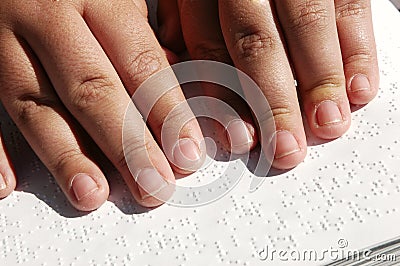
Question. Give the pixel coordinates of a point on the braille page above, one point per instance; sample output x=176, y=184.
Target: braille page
x=344, y=197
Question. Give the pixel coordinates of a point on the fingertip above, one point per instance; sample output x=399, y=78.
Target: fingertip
x=188, y=155
x=330, y=119
x=152, y=201
x=88, y=192
x=290, y=150
x=184, y=147
x=241, y=136
x=361, y=90
x=7, y=182
x=152, y=188
x=289, y=161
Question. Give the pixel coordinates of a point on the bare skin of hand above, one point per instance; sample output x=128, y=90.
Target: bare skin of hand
x=327, y=45
x=68, y=69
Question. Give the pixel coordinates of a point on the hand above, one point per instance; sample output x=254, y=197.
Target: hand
x=68, y=69
x=330, y=45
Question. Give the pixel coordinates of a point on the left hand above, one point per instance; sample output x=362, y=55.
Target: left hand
x=330, y=45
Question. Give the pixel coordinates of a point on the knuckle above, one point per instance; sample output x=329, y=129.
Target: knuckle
x=351, y=8
x=281, y=111
x=250, y=44
x=309, y=16
x=360, y=55
x=278, y=113
x=121, y=162
x=142, y=66
x=133, y=149
x=331, y=82
x=29, y=106
x=175, y=117
x=65, y=159
x=212, y=52
x=283, y=114
x=91, y=91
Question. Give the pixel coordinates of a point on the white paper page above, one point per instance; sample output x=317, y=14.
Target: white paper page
x=345, y=196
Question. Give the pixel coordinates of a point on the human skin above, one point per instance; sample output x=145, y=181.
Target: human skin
x=329, y=44
x=69, y=67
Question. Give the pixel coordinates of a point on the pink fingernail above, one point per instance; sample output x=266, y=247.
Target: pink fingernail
x=286, y=144
x=3, y=183
x=328, y=113
x=360, y=82
x=150, y=182
x=83, y=186
x=186, y=153
x=239, y=136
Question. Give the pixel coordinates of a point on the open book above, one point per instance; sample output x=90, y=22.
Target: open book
x=343, y=201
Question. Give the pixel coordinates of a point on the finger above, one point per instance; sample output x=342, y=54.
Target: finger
x=90, y=88
x=47, y=126
x=202, y=32
x=311, y=34
x=205, y=41
x=239, y=135
x=256, y=48
x=356, y=35
x=231, y=121
x=169, y=30
x=142, y=7
x=7, y=177
x=136, y=55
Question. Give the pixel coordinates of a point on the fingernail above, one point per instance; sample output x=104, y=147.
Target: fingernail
x=239, y=136
x=360, y=82
x=328, y=113
x=3, y=184
x=186, y=153
x=83, y=186
x=150, y=182
x=286, y=144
